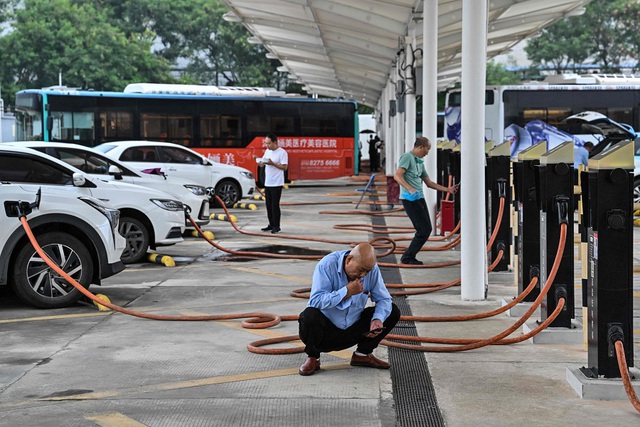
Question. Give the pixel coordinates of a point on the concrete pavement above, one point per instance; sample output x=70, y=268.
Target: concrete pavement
x=81, y=367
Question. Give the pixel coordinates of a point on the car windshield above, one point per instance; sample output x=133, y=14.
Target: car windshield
x=104, y=148
x=86, y=161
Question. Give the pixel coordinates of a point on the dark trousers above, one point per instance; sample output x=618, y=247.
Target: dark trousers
x=272, y=200
x=419, y=215
x=320, y=335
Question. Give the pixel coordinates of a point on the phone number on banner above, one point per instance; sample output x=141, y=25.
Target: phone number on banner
x=312, y=162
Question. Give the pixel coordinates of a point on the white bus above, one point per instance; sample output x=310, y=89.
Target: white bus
x=551, y=101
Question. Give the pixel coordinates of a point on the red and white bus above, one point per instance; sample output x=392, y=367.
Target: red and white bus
x=226, y=124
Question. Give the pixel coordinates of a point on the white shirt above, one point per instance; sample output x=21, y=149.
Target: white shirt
x=274, y=177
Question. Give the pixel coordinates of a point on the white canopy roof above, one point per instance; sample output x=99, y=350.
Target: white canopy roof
x=348, y=47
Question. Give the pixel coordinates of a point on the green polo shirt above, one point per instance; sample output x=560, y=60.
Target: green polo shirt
x=414, y=172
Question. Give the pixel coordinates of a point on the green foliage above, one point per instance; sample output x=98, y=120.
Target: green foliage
x=106, y=44
x=58, y=37
x=606, y=33
x=498, y=75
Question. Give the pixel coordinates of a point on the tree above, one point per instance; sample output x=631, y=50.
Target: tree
x=57, y=37
x=603, y=33
x=628, y=14
x=561, y=46
x=498, y=75
x=193, y=34
x=606, y=33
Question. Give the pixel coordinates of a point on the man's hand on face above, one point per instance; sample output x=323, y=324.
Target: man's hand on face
x=354, y=287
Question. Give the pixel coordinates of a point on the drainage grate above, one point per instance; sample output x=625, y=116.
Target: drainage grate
x=413, y=392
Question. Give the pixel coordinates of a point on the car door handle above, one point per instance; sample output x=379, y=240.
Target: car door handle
x=172, y=169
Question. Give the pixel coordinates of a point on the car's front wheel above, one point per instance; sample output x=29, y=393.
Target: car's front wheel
x=137, y=237
x=636, y=190
x=36, y=284
x=229, y=191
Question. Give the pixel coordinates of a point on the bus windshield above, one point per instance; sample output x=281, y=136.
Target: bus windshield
x=29, y=118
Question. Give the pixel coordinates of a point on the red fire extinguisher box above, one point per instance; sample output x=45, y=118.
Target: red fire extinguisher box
x=446, y=216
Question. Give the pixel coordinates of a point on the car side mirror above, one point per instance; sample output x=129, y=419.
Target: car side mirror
x=115, y=171
x=79, y=180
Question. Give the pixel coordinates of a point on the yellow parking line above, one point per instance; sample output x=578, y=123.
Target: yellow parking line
x=141, y=310
x=114, y=420
x=60, y=316
x=203, y=382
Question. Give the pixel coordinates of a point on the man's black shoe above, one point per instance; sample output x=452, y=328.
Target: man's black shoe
x=275, y=230
x=267, y=228
x=411, y=261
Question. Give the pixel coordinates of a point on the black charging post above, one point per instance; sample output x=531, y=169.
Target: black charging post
x=498, y=173
x=608, y=203
x=527, y=240
x=554, y=196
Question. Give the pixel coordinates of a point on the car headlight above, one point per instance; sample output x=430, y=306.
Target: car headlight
x=198, y=190
x=113, y=215
x=168, y=204
x=247, y=174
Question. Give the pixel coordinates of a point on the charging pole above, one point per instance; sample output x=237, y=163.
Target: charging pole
x=554, y=184
x=456, y=170
x=444, y=172
x=610, y=255
x=498, y=173
x=528, y=238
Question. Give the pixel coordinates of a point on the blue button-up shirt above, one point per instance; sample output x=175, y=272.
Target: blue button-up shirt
x=329, y=287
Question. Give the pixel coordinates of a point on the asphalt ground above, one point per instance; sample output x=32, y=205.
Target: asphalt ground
x=83, y=367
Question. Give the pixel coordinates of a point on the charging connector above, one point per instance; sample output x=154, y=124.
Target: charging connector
x=502, y=187
x=562, y=207
x=561, y=292
x=614, y=333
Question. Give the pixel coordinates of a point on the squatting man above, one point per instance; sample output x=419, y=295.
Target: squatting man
x=336, y=317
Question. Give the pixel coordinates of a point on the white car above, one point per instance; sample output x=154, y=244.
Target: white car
x=78, y=232
x=97, y=164
x=148, y=217
x=231, y=183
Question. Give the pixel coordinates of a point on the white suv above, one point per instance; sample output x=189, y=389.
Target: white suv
x=100, y=166
x=148, y=217
x=79, y=233
x=231, y=183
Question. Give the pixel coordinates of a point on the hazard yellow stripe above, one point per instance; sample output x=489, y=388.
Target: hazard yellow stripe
x=114, y=420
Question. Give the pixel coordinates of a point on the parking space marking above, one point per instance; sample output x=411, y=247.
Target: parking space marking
x=203, y=382
x=58, y=317
x=114, y=419
x=141, y=310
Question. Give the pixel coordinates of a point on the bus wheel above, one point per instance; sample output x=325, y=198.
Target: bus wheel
x=36, y=284
x=137, y=237
x=229, y=191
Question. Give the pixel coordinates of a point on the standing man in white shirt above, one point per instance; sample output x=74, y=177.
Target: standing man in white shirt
x=275, y=164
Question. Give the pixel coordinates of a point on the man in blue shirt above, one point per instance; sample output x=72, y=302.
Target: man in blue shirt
x=581, y=154
x=336, y=317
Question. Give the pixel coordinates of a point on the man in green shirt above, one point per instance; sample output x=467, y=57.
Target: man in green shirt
x=410, y=175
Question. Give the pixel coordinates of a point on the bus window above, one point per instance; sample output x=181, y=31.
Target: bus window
x=169, y=127
x=29, y=118
x=620, y=115
x=220, y=131
x=533, y=114
x=116, y=125
x=72, y=126
x=555, y=116
x=319, y=126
